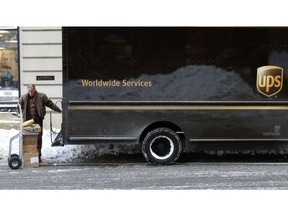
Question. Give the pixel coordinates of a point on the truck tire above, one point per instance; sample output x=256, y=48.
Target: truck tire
x=15, y=163
x=161, y=146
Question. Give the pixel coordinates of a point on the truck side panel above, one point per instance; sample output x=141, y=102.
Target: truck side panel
x=120, y=80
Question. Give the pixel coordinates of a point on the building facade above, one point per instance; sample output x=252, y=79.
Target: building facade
x=30, y=55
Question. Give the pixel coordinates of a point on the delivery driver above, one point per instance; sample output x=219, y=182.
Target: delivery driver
x=33, y=107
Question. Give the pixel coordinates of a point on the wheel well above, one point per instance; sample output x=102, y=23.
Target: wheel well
x=166, y=124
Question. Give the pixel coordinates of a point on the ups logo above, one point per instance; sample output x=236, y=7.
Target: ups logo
x=269, y=80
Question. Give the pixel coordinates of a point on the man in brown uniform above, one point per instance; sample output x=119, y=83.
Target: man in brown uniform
x=33, y=107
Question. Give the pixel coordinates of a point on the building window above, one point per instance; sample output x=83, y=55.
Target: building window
x=9, y=73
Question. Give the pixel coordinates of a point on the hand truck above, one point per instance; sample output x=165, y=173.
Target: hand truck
x=15, y=161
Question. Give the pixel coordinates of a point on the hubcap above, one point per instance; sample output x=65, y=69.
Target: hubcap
x=15, y=163
x=161, y=147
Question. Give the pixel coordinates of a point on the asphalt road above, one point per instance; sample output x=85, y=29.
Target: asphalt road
x=132, y=172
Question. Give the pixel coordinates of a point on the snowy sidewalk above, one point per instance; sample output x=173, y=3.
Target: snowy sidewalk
x=64, y=154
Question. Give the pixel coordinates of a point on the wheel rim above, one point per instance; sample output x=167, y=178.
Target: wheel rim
x=161, y=147
x=15, y=163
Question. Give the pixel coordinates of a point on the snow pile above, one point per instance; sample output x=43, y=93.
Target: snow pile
x=60, y=154
x=5, y=136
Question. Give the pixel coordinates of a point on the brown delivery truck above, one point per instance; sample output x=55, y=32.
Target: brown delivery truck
x=173, y=89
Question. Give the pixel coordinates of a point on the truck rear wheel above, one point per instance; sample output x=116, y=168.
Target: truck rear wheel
x=161, y=146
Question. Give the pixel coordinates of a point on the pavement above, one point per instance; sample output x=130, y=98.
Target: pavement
x=131, y=172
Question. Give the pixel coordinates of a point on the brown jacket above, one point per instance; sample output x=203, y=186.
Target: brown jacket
x=41, y=100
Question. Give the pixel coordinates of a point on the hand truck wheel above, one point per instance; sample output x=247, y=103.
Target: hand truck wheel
x=15, y=162
x=12, y=155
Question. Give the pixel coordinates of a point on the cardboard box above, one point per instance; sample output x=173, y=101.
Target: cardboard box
x=31, y=160
x=30, y=148
x=30, y=142
x=30, y=138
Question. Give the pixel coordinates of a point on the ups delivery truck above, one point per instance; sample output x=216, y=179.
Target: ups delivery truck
x=174, y=89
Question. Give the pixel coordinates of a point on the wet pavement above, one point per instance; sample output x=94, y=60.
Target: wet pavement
x=133, y=172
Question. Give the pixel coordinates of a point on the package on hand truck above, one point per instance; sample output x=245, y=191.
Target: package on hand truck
x=28, y=154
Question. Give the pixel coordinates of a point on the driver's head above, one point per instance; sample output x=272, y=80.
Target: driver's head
x=31, y=89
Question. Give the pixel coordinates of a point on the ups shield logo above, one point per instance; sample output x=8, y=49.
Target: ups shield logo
x=269, y=80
